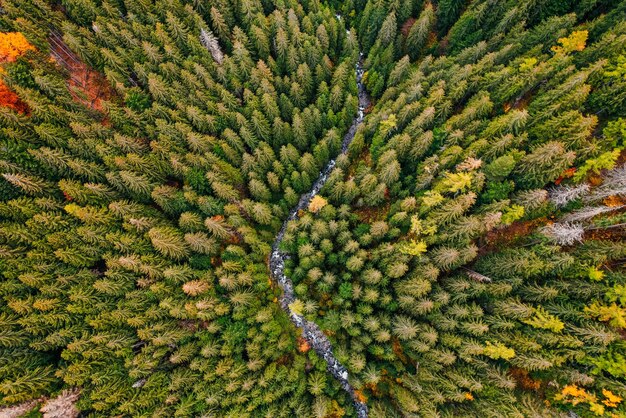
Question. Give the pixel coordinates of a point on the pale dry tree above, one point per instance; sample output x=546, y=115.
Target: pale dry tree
x=320, y=407
x=564, y=233
x=63, y=406
x=616, y=176
x=217, y=227
x=614, y=184
x=242, y=297
x=405, y=328
x=491, y=220
x=604, y=192
x=469, y=164
x=531, y=199
x=195, y=287
x=445, y=257
x=201, y=242
x=379, y=229
x=474, y=275
x=210, y=42
x=18, y=410
x=589, y=212
x=28, y=184
x=562, y=195
x=139, y=383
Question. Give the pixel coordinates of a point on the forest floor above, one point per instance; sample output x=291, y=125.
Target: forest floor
x=87, y=86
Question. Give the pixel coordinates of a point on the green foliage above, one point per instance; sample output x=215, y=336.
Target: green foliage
x=500, y=168
x=512, y=214
x=137, y=100
x=498, y=350
x=604, y=161
x=608, y=95
x=497, y=191
x=387, y=125
x=345, y=290
x=143, y=189
x=154, y=200
x=20, y=72
x=615, y=132
x=612, y=361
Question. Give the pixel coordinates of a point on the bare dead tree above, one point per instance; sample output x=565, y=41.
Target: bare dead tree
x=614, y=184
x=474, y=275
x=210, y=42
x=562, y=195
x=63, y=406
x=17, y=411
x=589, y=212
x=564, y=233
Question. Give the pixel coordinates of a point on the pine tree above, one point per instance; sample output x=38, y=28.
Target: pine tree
x=30, y=185
x=418, y=34
x=543, y=165
x=169, y=242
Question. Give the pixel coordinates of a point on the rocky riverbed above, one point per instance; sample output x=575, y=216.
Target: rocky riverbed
x=311, y=332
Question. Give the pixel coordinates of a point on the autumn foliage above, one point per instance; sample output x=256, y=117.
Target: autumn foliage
x=8, y=98
x=360, y=396
x=317, y=203
x=576, y=395
x=524, y=380
x=575, y=42
x=456, y=169
x=303, y=345
x=12, y=45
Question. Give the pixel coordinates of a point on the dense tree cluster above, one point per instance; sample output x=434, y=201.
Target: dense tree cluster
x=465, y=257
x=134, y=240
x=437, y=266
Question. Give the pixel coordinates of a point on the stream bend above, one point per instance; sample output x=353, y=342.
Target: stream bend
x=311, y=332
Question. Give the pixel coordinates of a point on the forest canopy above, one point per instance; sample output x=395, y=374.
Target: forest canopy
x=258, y=208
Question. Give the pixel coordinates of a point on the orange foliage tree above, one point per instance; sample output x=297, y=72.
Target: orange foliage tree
x=8, y=98
x=12, y=45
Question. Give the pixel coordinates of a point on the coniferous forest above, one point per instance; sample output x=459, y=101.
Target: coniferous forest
x=312, y=209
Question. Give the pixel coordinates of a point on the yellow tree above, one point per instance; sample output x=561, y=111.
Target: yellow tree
x=12, y=45
x=317, y=203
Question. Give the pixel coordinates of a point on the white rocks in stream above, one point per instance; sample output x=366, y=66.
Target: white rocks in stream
x=310, y=330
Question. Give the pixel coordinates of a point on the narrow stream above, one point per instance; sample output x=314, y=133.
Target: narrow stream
x=311, y=332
